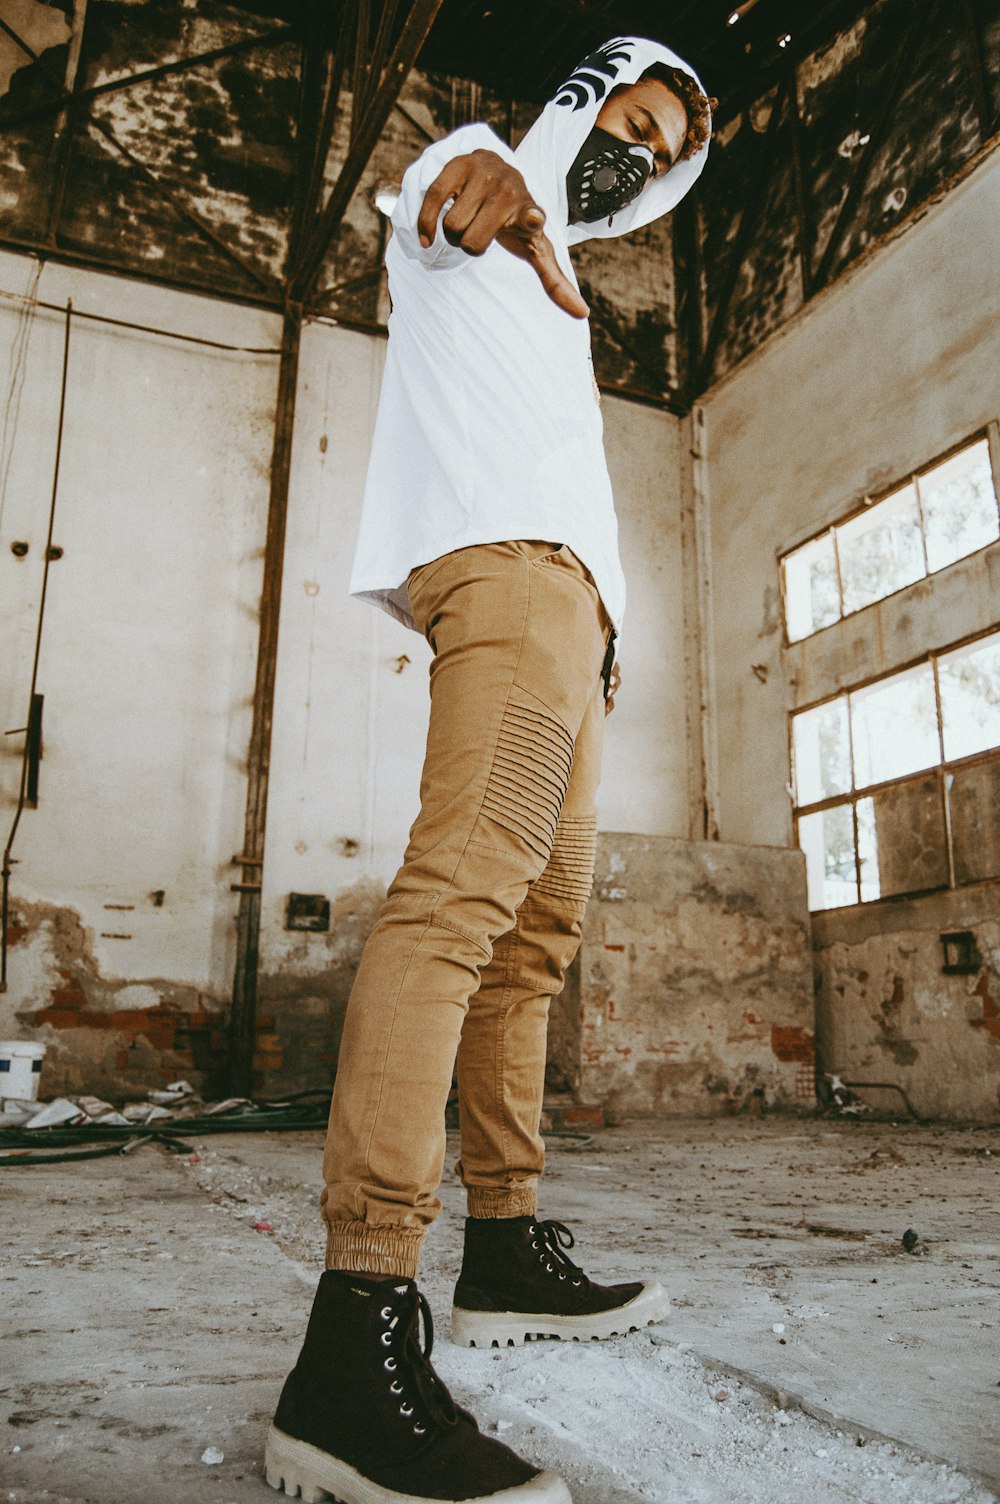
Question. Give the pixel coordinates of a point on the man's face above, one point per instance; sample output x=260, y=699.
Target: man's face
x=648, y=113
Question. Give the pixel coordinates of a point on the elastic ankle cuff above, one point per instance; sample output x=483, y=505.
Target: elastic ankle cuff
x=522, y=1201
x=364, y=1248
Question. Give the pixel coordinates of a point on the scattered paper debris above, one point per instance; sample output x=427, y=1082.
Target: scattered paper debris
x=145, y=1112
x=55, y=1114
x=211, y=1456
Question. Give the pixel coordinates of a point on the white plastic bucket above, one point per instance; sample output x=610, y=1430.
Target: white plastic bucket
x=20, y=1068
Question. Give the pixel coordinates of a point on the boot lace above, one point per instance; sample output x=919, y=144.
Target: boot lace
x=423, y=1396
x=550, y=1240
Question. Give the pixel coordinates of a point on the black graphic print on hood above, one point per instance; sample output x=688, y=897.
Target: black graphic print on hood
x=553, y=143
x=586, y=84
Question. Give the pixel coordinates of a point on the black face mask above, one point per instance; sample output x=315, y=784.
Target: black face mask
x=608, y=174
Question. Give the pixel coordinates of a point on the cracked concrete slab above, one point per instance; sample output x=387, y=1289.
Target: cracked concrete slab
x=153, y=1305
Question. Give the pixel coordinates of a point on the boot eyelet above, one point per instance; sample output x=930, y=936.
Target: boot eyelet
x=548, y=1268
x=562, y=1276
x=386, y=1312
x=386, y=1339
x=395, y=1387
x=420, y=1430
x=406, y=1410
x=578, y=1282
x=390, y=1365
x=534, y=1245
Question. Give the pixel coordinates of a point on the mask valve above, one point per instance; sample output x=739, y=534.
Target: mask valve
x=608, y=174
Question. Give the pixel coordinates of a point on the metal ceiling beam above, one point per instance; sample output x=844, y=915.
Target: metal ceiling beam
x=309, y=199
x=369, y=128
x=147, y=75
x=72, y=98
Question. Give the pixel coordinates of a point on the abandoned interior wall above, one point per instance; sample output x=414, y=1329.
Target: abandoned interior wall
x=695, y=980
x=122, y=938
x=886, y=371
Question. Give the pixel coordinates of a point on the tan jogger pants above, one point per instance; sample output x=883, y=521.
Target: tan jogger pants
x=484, y=915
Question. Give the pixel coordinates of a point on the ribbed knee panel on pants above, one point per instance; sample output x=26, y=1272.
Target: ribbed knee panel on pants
x=570, y=870
x=530, y=774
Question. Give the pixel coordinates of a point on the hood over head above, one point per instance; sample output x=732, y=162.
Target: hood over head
x=552, y=145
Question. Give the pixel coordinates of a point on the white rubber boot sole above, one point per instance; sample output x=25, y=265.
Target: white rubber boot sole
x=511, y=1328
x=303, y=1470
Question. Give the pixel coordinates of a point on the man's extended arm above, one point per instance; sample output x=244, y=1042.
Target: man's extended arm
x=475, y=198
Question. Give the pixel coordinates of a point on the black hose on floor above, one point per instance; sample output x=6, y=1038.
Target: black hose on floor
x=23, y=1146
x=18, y=1146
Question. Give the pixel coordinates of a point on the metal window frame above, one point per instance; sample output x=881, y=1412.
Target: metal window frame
x=868, y=502
x=941, y=770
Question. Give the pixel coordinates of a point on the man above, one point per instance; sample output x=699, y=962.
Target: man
x=489, y=526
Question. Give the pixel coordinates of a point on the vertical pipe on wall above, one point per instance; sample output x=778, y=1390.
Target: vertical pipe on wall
x=66, y=122
x=707, y=739
x=243, y=1018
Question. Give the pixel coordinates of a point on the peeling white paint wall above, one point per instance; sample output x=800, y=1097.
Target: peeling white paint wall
x=150, y=632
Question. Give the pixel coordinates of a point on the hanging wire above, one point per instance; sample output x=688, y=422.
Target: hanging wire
x=5, y=875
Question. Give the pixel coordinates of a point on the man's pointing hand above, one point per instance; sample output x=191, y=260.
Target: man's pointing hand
x=490, y=201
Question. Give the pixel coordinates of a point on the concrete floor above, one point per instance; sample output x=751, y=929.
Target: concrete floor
x=808, y=1358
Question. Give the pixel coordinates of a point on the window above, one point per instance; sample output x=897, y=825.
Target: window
x=942, y=513
x=897, y=782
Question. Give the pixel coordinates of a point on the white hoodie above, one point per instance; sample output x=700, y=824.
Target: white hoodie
x=489, y=424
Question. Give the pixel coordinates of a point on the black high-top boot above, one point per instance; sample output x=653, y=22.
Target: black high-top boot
x=518, y=1283
x=363, y=1415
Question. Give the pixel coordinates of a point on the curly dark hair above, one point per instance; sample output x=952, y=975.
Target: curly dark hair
x=699, y=106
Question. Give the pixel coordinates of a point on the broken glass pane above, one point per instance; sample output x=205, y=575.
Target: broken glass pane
x=880, y=550
x=901, y=839
x=821, y=746
x=827, y=838
x=812, y=595
x=894, y=726
x=974, y=798
x=970, y=698
x=960, y=506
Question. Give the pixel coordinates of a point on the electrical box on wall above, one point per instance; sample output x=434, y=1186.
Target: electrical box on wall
x=961, y=954
x=307, y=911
